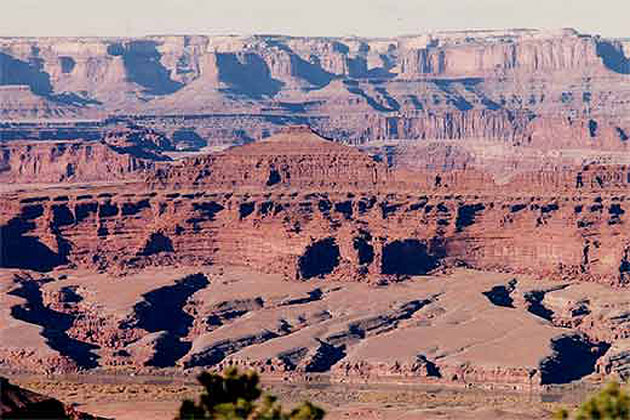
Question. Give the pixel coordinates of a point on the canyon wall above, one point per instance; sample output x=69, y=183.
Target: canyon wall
x=550, y=89
x=287, y=202
x=366, y=235
x=503, y=151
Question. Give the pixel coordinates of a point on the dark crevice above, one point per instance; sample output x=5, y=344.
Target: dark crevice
x=407, y=257
x=345, y=208
x=245, y=209
x=313, y=295
x=31, y=73
x=18, y=72
x=107, y=209
x=19, y=250
x=188, y=140
x=389, y=209
x=83, y=210
x=353, y=87
x=311, y=71
x=62, y=216
x=157, y=243
x=67, y=64
x=163, y=310
x=319, y=259
x=207, y=210
x=535, y=304
x=168, y=349
x=501, y=295
x=135, y=208
x=273, y=178
x=247, y=74
x=431, y=368
x=232, y=309
x=613, y=56
x=54, y=324
x=365, y=250
x=574, y=357
x=142, y=64
x=222, y=349
x=466, y=215
x=325, y=357
x=291, y=358
x=592, y=128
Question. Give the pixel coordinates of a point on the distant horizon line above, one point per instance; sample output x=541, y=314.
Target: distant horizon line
x=350, y=36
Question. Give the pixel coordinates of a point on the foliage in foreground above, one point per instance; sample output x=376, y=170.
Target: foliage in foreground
x=611, y=403
x=235, y=395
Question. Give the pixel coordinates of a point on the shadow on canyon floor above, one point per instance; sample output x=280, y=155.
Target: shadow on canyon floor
x=55, y=324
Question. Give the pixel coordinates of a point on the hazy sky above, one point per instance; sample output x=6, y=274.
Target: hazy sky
x=305, y=17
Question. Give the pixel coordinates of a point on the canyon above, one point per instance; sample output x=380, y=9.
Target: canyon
x=444, y=209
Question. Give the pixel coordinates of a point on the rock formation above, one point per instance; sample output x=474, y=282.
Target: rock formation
x=517, y=86
x=277, y=204
x=334, y=171
x=19, y=403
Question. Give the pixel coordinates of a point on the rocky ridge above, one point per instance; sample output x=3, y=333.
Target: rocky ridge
x=517, y=86
x=489, y=168
x=283, y=203
x=19, y=403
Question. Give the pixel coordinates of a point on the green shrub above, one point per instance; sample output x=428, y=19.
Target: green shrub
x=235, y=395
x=611, y=403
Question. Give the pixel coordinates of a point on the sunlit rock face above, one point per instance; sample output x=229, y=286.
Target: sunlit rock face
x=523, y=87
x=332, y=201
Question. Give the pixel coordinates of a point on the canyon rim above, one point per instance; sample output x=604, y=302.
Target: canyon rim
x=445, y=210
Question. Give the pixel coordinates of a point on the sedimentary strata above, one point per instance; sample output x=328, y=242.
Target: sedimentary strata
x=449, y=208
x=302, y=206
x=20, y=403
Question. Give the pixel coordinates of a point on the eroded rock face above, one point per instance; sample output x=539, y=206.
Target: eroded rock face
x=305, y=207
x=523, y=87
x=20, y=403
x=122, y=152
x=54, y=162
x=500, y=153
x=417, y=330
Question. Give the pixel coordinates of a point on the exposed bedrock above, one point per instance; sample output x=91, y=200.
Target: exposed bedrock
x=215, y=353
x=54, y=325
x=500, y=85
x=303, y=236
x=226, y=311
x=416, y=330
x=420, y=369
x=73, y=161
x=319, y=356
x=20, y=250
x=574, y=357
x=162, y=312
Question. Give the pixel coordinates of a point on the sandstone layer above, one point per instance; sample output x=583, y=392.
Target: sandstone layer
x=302, y=206
x=20, y=403
x=448, y=209
x=523, y=87
x=337, y=247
